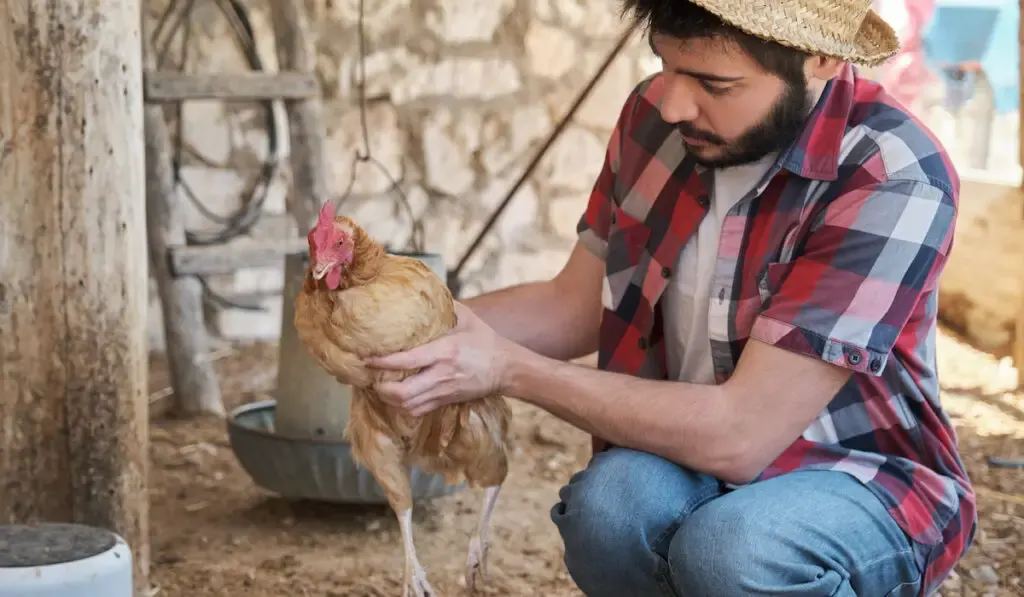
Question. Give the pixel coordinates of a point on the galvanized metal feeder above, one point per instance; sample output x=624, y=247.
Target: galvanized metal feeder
x=294, y=445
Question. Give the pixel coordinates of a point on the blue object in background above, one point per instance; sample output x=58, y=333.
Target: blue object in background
x=1001, y=60
x=982, y=31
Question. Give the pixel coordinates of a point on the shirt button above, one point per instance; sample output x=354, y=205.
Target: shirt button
x=642, y=343
x=875, y=365
x=614, y=218
x=721, y=294
x=854, y=357
x=666, y=272
x=703, y=200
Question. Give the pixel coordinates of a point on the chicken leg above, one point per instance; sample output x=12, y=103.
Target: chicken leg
x=383, y=458
x=476, y=562
x=415, y=584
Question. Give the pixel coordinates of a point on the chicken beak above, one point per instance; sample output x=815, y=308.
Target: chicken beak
x=320, y=270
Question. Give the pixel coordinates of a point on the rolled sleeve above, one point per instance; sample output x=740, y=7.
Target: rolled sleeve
x=861, y=277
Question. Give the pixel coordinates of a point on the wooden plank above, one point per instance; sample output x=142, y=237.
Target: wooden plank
x=1018, y=345
x=196, y=390
x=204, y=260
x=170, y=86
x=73, y=261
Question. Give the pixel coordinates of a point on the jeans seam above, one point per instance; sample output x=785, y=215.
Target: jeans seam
x=863, y=568
x=663, y=576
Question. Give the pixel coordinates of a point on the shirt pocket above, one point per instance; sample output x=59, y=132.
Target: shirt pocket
x=771, y=279
x=627, y=258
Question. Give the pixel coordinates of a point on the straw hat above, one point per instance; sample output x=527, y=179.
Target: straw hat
x=846, y=29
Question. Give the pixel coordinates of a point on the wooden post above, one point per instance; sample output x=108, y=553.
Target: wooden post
x=296, y=51
x=1018, y=343
x=73, y=404
x=193, y=380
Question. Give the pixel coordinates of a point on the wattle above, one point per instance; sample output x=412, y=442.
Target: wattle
x=333, y=278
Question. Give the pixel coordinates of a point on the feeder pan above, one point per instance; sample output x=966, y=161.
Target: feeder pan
x=294, y=445
x=63, y=560
x=310, y=468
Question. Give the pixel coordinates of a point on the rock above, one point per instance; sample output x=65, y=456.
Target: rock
x=383, y=68
x=461, y=21
x=593, y=18
x=507, y=139
x=379, y=15
x=602, y=108
x=387, y=145
x=385, y=218
x=953, y=582
x=647, y=65
x=985, y=574
x=479, y=79
x=448, y=144
x=550, y=51
x=518, y=221
x=574, y=160
x=564, y=214
x=447, y=232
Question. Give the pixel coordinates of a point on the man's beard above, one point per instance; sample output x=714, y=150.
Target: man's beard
x=780, y=128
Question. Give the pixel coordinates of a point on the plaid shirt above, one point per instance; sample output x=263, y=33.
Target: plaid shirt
x=835, y=255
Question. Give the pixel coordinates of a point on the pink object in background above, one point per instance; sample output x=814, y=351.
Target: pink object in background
x=905, y=74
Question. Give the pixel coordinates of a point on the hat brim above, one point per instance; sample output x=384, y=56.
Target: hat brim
x=875, y=42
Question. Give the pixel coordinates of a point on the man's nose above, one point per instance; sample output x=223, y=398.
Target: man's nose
x=678, y=106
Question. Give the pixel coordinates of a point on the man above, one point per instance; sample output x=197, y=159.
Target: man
x=757, y=268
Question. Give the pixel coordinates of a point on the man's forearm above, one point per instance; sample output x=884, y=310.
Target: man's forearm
x=685, y=423
x=732, y=431
x=537, y=316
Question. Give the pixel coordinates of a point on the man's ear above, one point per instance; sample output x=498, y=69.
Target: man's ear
x=822, y=68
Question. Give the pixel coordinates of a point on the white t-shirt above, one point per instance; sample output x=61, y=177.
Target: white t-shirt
x=687, y=298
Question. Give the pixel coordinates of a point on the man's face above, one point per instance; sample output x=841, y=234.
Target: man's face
x=727, y=108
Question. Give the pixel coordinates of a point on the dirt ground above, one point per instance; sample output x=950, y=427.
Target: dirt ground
x=214, y=533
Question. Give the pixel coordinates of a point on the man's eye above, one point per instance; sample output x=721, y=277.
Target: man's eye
x=713, y=89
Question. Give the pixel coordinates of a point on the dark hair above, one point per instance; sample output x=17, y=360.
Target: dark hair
x=684, y=20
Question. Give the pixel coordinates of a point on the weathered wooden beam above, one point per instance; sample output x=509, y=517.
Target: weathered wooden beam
x=205, y=260
x=170, y=86
x=73, y=269
x=193, y=379
x=1018, y=345
x=296, y=52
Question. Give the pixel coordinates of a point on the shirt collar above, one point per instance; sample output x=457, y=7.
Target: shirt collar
x=815, y=155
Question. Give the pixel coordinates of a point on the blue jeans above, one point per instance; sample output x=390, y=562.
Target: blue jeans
x=637, y=525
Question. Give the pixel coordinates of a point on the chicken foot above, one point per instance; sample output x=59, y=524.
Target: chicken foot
x=476, y=562
x=416, y=584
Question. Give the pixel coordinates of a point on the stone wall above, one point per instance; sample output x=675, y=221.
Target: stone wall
x=461, y=95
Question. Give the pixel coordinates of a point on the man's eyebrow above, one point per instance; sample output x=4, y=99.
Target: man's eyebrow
x=710, y=77
x=705, y=76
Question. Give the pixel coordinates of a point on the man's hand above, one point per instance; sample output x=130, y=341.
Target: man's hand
x=467, y=363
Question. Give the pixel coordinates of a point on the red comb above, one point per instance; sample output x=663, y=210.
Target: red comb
x=327, y=212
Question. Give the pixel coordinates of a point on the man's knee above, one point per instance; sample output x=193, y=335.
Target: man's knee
x=804, y=534
x=724, y=550
x=613, y=515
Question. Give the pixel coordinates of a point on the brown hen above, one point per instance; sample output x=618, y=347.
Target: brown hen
x=359, y=301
